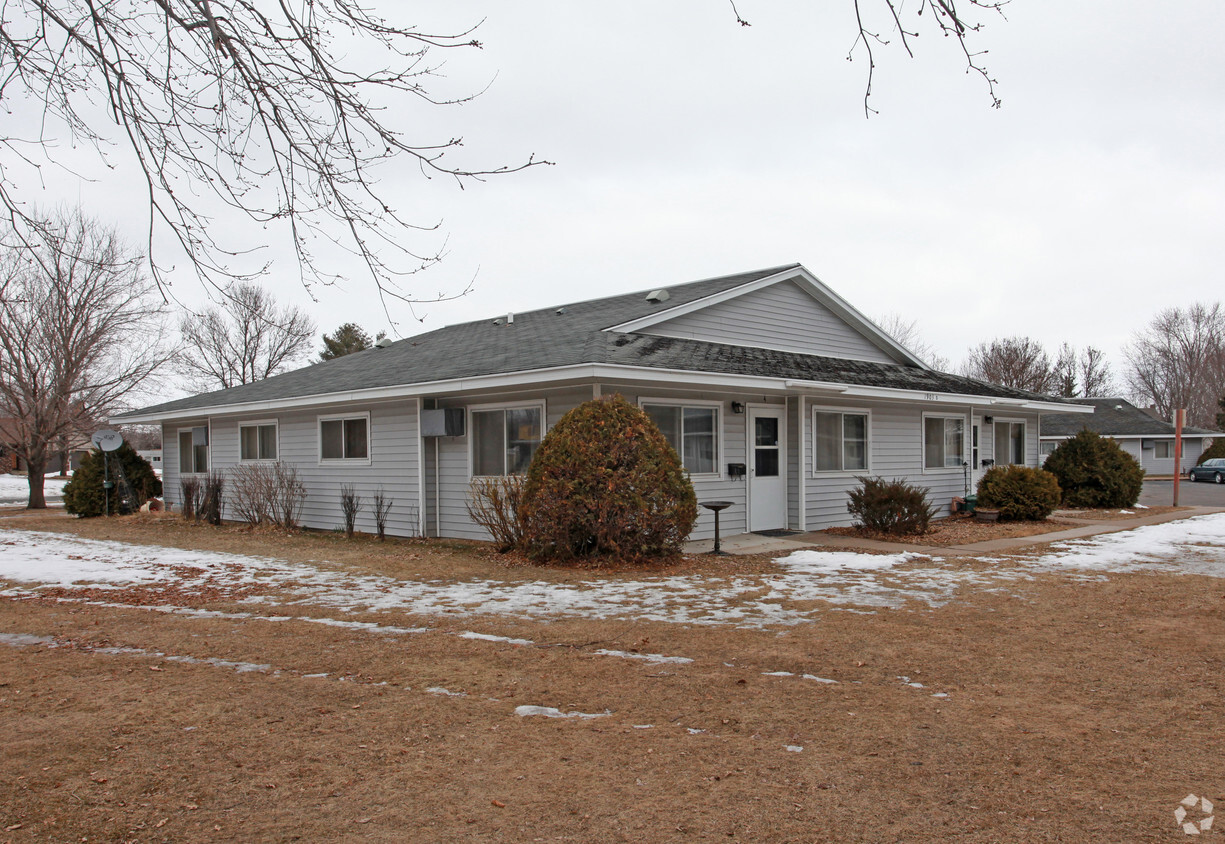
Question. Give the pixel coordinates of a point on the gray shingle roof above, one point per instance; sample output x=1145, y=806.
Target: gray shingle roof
x=575, y=334
x=1113, y=417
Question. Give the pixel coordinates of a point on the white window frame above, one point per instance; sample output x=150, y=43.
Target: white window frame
x=1011, y=420
x=541, y=405
x=720, y=412
x=965, y=436
x=208, y=451
x=844, y=411
x=263, y=423
x=341, y=461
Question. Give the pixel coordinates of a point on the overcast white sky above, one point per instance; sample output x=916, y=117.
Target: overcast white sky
x=687, y=146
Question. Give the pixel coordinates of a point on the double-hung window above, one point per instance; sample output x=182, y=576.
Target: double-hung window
x=692, y=430
x=257, y=441
x=840, y=440
x=344, y=437
x=943, y=441
x=1163, y=449
x=193, y=451
x=1009, y=443
x=505, y=439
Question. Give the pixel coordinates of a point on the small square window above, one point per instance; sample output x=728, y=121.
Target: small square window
x=344, y=439
x=257, y=442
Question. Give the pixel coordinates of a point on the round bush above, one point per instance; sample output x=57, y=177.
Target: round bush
x=1095, y=472
x=1020, y=493
x=83, y=495
x=605, y=482
x=893, y=507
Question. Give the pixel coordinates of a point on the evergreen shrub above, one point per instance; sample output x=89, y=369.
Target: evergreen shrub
x=1094, y=471
x=1217, y=449
x=1020, y=493
x=83, y=495
x=606, y=483
x=892, y=507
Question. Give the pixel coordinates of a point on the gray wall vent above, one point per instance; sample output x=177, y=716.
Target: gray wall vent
x=443, y=422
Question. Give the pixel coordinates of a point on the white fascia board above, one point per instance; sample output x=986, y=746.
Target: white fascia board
x=553, y=375
x=815, y=288
x=542, y=377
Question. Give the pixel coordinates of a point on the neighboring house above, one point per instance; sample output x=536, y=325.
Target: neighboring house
x=1136, y=430
x=154, y=456
x=78, y=446
x=775, y=392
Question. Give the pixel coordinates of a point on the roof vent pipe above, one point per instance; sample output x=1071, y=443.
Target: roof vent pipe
x=510, y=319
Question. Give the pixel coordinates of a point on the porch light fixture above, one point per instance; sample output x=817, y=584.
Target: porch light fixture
x=737, y=407
x=988, y=419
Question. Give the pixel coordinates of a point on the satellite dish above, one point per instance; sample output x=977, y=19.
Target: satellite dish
x=107, y=440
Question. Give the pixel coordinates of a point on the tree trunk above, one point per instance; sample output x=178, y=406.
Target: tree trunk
x=36, y=467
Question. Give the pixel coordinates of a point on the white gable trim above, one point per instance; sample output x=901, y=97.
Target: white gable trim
x=596, y=372
x=807, y=282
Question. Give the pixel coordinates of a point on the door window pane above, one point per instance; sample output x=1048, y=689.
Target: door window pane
x=766, y=430
x=765, y=462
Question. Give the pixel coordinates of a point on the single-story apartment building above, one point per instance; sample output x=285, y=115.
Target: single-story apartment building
x=1145, y=437
x=773, y=389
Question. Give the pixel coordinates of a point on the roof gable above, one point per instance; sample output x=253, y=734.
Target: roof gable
x=790, y=310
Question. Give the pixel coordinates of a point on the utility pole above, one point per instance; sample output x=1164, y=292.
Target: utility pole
x=1180, y=416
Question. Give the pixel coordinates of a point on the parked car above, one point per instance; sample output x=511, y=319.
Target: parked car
x=1209, y=470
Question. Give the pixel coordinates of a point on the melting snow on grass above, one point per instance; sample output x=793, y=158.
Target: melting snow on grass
x=805, y=582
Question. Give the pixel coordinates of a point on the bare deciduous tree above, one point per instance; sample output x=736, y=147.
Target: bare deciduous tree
x=1017, y=362
x=1178, y=361
x=247, y=339
x=79, y=331
x=1085, y=374
x=907, y=333
x=274, y=109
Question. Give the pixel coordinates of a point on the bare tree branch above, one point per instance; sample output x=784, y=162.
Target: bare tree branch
x=248, y=339
x=271, y=108
x=1178, y=361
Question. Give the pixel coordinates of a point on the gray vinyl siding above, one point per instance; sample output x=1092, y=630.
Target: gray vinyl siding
x=794, y=461
x=393, y=463
x=454, y=460
x=1191, y=450
x=896, y=452
x=781, y=316
x=170, y=459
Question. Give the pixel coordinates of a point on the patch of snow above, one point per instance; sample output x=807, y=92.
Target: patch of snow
x=642, y=726
x=15, y=489
x=551, y=712
x=793, y=748
x=486, y=637
x=694, y=731
x=654, y=659
x=1183, y=546
x=813, y=562
x=939, y=694
x=820, y=679
x=24, y=640
x=777, y=674
x=439, y=690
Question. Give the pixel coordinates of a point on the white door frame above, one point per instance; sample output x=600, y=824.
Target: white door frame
x=780, y=412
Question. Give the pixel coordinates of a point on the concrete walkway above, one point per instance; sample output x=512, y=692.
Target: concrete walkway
x=751, y=543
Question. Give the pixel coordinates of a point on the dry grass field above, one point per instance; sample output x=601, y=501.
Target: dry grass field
x=1045, y=706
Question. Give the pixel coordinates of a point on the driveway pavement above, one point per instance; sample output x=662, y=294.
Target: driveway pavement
x=1160, y=493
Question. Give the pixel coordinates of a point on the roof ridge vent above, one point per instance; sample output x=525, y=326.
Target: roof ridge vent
x=658, y=296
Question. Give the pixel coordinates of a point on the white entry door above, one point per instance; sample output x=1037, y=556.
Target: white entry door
x=767, y=469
